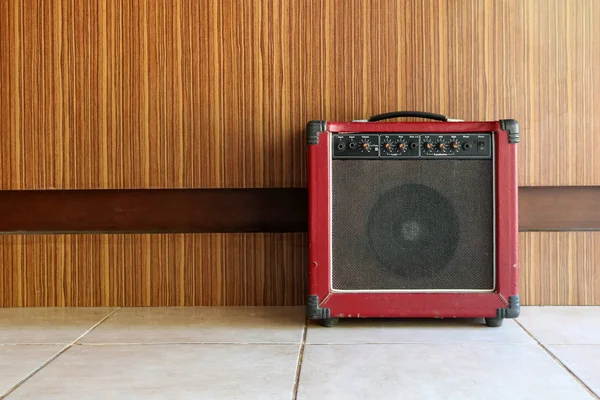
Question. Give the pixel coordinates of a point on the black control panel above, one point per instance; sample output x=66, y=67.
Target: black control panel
x=353, y=146
x=413, y=145
x=399, y=146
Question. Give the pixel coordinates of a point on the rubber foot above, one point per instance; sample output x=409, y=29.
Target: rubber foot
x=494, y=322
x=329, y=322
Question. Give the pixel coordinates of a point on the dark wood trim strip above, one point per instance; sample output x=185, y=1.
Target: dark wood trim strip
x=239, y=210
x=559, y=208
x=154, y=210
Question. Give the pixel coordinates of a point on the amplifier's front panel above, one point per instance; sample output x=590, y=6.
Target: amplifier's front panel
x=413, y=220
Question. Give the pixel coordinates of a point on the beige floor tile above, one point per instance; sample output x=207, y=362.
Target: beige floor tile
x=416, y=331
x=202, y=325
x=185, y=371
x=582, y=360
x=434, y=371
x=47, y=325
x=562, y=325
x=17, y=361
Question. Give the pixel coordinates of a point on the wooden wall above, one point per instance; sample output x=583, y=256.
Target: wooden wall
x=153, y=270
x=108, y=94
x=560, y=268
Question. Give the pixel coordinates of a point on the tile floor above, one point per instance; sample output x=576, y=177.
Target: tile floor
x=270, y=353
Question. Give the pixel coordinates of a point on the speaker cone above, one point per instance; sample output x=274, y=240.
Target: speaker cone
x=413, y=231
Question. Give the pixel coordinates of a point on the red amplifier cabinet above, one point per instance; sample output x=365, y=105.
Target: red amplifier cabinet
x=413, y=219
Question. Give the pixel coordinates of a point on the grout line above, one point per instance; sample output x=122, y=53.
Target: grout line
x=55, y=356
x=181, y=343
x=422, y=343
x=559, y=362
x=33, y=344
x=292, y=343
x=299, y=363
x=97, y=324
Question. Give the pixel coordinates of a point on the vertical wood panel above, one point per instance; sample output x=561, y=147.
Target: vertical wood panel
x=182, y=93
x=152, y=270
x=211, y=93
x=560, y=268
x=557, y=268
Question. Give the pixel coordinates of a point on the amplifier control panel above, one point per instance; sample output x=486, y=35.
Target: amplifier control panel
x=356, y=146
x=399, y=146
x=412, y=145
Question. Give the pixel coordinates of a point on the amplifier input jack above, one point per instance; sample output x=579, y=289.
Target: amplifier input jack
x=352, y=145
x=413, y=145
x=341, y=146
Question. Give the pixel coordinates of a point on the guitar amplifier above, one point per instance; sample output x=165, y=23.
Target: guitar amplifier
x=413, y=219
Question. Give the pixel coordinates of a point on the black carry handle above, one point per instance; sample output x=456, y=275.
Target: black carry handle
x=404, y=114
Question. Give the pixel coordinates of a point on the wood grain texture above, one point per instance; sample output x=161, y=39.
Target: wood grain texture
x=152, y=270
x=211, y=93
x=116, y=94
x=560, y=268
x=556, y=268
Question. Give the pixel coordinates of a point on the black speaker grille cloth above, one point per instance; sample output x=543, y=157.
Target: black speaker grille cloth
x=412, y=224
